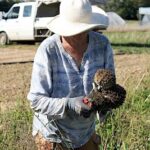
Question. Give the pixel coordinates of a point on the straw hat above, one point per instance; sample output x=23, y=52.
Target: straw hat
x=76, y=16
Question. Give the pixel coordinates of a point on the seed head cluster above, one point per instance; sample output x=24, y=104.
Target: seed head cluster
x=106, y=94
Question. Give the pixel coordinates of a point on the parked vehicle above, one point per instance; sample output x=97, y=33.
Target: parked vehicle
x=27, y=22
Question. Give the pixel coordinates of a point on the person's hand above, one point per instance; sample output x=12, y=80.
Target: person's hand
x=77, y=104
x=90, y=102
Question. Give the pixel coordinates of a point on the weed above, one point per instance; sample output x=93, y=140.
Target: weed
x=130, y=42
x=16, y=126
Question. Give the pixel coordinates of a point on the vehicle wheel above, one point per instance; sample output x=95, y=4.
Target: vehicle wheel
x=3, y=38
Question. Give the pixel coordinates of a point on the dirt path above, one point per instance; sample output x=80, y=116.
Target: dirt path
x=11, y=56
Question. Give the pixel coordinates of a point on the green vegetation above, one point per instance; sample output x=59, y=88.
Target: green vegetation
x=127, y=129
x=6, y=4
x=15, y=128
x=128, y=9
x=130, y=42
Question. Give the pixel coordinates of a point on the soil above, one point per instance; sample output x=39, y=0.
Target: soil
x=15, y=78
x=15, y=55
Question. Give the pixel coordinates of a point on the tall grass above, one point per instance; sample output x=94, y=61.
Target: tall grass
x=128, y=128
x=16, y=127
x=130, y=42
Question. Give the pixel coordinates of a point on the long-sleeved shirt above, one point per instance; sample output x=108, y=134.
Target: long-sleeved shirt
x=55, y=78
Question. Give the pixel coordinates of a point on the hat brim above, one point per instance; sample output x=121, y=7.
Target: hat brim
x=65, y=28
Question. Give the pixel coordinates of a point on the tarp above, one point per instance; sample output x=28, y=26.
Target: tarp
x=50, y=10
x=115, y=19
x=144, y=10
x=2, y=13
x=93, y=2
x=144, y=15
x=146, y=20
x=47, y=2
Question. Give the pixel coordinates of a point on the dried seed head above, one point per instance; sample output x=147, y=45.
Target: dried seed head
x=108, y=94
x=104, y=79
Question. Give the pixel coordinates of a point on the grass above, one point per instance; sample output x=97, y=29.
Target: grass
x=16, y=126
x=126, y=129
x=15, y=112
x=135, y=42
x=15, y=132
x=129, y=42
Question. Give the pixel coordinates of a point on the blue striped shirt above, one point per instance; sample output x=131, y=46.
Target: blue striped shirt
x=55, y=78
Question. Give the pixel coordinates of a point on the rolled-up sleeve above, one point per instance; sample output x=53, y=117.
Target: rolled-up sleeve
x=41, y=87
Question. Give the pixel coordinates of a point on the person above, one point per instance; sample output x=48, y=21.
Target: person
x=63, y=70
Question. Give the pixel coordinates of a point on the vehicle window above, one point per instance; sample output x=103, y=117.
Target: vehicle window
x=27, y=11
x=50, y=10
x=14, y=13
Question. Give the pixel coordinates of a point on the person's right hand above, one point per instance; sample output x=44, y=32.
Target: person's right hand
x=78, y=105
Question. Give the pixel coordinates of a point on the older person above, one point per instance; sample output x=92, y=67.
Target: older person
x=62, y=76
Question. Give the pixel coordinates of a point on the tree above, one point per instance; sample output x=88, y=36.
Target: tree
x=144, y=3
x=6, y=4
x=128, y=9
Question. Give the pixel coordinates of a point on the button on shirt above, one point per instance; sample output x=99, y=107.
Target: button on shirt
x=55, y=79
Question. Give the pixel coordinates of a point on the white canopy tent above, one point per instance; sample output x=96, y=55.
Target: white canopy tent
x=115, y=20
x=144, y=15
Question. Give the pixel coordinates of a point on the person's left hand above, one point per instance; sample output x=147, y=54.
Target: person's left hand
x=77, y=104
x=87, y=113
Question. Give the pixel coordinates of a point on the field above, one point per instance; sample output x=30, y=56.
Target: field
x=128, y=128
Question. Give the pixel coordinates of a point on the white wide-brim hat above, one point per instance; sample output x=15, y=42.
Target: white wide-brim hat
x=77, y=16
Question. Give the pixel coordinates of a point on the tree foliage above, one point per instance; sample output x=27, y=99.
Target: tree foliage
x=128, y=9
x=6, y=4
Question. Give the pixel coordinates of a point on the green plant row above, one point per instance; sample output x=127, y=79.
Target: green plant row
x=129, y=42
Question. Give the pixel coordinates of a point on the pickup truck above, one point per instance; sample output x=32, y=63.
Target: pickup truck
x=27, y=21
